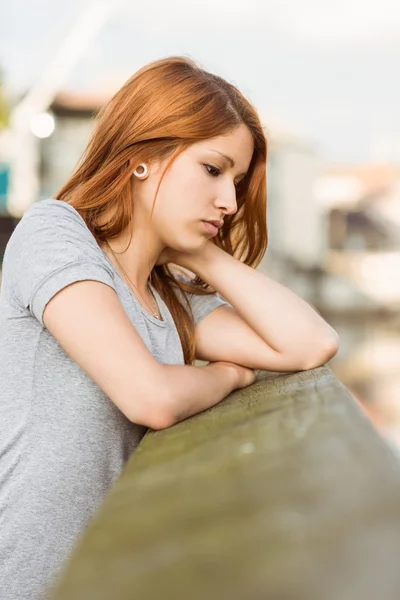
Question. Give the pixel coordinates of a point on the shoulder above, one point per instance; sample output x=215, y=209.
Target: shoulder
x=51, y=223
x=50, y=248
x=56, y=213
x=51, y=233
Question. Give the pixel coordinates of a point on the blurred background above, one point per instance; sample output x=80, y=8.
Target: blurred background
x=323, y=75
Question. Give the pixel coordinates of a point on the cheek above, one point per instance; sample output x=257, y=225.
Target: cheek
x=184, y=176
x=181, y=195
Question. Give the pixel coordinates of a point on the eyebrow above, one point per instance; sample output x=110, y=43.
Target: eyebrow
x=229, y=160
x=226, y=157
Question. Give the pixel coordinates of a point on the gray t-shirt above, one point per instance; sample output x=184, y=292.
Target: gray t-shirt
x=62, y=441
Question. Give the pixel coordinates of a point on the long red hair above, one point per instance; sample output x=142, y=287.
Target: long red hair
x=165, y=107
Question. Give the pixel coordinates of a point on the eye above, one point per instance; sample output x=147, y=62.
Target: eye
x=213, y=171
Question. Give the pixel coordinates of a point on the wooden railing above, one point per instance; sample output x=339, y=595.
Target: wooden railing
x=284, y=491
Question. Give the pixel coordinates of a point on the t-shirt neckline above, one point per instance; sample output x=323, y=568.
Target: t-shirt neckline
x=160, y=302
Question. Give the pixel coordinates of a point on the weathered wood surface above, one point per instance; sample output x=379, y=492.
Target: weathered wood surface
x=284, y=491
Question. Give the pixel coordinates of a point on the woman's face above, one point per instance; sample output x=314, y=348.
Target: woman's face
x=199, y=186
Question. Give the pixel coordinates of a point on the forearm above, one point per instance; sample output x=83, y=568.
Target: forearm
x=282, y=319
x=194, y=389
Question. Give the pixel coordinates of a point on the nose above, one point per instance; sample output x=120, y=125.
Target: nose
x=226, y=200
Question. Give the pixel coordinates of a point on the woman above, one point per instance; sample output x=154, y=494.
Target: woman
x=110, y=292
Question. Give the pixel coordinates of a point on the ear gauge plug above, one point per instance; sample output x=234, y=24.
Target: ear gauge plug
x=141, y=171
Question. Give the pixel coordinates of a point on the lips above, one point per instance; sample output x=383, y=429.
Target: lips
x=212, y=229
x=217, y=224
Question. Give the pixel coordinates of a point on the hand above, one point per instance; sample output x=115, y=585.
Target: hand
x=244, y=376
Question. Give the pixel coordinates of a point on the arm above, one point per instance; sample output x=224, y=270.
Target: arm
x=194, y=389
x=269, y=326
x=91, y=325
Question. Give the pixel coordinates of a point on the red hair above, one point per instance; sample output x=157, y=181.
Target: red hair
x=159, y=112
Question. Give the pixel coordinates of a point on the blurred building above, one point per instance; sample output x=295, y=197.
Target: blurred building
x=59, y=153
x=297, y=226
x=335, y=240
x=361, y=287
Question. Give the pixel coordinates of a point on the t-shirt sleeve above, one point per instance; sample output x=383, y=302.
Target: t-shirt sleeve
x=202, y=305
x=49, y=249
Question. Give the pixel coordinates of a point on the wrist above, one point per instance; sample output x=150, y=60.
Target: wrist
x=205, y=262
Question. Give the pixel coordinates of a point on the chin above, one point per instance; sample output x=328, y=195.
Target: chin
x=199, y=245
x=191, y=244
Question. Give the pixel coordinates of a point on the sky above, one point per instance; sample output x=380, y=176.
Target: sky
x=323, y=70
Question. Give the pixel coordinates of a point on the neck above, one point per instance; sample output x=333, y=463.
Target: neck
x=137, y=259
x=146, y=296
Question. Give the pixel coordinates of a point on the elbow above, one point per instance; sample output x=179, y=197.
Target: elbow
x=161, y=420
x=331, y=345
x=156, y=419
x=328, y=348
x=155, y=407
x=162, y=414
x=157, y=414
